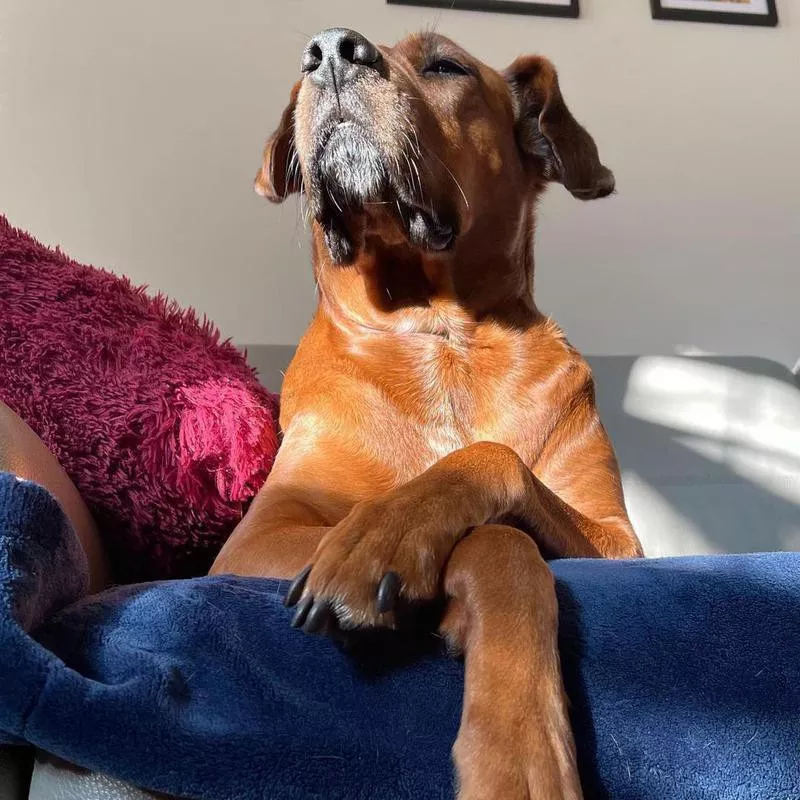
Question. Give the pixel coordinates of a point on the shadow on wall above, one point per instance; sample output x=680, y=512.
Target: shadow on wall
x=709, y=447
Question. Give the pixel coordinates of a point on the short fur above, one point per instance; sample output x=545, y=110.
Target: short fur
x=436, y=425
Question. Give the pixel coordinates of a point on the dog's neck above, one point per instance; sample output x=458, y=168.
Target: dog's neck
x=392, y=288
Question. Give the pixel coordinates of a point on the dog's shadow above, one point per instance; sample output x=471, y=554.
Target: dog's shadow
x=378, y=652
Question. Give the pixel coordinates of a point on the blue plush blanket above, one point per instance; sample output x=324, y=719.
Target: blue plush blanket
x=684, y=678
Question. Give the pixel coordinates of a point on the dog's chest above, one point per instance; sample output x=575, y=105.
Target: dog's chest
x=456, y=401
x=445, y=399
x=443, y=438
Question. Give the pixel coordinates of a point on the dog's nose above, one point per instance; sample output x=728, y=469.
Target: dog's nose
x=337, y=54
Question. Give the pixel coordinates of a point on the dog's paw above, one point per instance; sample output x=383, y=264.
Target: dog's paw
x=384, y=554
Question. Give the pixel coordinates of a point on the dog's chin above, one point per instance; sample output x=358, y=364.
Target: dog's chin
x=350, y=180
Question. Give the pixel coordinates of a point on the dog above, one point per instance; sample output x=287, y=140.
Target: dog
x=440, y=435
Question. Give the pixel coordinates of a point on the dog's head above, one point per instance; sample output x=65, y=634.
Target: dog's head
x=420, y=142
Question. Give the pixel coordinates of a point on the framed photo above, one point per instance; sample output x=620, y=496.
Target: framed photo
x=735, y=12
x=544, y=8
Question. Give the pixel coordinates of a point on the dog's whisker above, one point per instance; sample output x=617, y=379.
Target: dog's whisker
x=450, y=173
x=422, y=199
x=409, y=174
x=421, y=162
x=290, y=153
x=412, y=165
x=416, y=139
x=294, y=163
x=415, y=149
x=419, y=181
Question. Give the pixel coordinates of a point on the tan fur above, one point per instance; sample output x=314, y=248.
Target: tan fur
x=436, y=423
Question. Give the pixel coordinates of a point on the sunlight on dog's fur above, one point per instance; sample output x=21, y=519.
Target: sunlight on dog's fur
x=440, y=434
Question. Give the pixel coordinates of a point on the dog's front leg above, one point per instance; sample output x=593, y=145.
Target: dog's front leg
x=396, y=545
x=515, y=741
x=279, y=535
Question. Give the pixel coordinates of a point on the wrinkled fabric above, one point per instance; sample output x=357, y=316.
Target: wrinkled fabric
x=683, y=676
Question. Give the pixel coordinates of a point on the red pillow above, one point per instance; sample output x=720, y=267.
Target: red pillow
x=164, y=429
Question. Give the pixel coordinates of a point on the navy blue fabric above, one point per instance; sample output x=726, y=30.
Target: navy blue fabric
x=684, y=678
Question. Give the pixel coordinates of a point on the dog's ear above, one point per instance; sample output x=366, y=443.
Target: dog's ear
x=279, y=175
x=548, y=133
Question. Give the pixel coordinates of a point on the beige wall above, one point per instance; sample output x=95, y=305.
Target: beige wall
x=130, y=133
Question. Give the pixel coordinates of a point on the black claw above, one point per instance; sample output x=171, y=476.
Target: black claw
x=296, y=589
x=388, y=589
x=317, y=617
x=303, y=608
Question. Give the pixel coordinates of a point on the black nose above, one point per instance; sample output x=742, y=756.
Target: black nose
x=337, y=54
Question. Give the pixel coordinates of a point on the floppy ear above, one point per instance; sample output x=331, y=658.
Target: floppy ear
x=547, y=131
x=279, y=175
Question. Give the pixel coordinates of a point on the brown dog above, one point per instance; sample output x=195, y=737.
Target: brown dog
x=440, y=434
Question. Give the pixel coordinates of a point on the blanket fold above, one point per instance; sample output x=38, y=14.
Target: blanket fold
x=683, y=676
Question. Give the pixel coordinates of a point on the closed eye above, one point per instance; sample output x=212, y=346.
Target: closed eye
x=445, y=66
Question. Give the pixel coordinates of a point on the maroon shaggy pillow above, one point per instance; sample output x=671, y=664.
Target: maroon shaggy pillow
x=163, y=428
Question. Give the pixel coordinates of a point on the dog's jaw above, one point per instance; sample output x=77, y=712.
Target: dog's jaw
x=350, y=175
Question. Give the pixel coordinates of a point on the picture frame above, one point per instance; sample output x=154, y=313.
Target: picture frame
x=730, y=12
x=542, y=8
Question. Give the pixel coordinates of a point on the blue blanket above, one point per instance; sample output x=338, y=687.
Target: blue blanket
x=684, y=678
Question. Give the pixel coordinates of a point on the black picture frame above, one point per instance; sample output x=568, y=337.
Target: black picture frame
x=770, y=19
x=568, y=9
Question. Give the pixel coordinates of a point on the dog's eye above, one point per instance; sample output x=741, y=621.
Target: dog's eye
x=445, y=66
